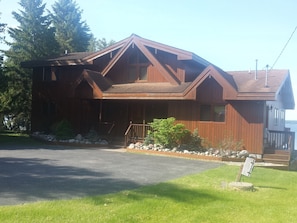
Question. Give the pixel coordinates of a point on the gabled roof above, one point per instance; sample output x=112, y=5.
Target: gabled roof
x=237, y=85
x=95, y=80
x=69, y=59
x=80, y=58
x=223, y=78
x=143, y=44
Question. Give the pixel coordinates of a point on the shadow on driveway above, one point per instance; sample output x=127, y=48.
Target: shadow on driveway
x=28, y=174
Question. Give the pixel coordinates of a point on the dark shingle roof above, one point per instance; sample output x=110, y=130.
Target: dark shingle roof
x=246, y=82
x=147, y=88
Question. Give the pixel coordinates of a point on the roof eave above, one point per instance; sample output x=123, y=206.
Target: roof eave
x=267, y=96
x=144, y=96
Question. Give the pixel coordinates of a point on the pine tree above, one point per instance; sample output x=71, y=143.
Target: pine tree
x=72, y=33
x=99, y=44
x=32, y=39
x=2, y=78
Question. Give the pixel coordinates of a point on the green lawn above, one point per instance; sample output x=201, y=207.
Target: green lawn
x=11, y=138
x=197, y=198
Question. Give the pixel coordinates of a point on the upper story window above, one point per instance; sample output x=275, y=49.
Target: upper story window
x=138, y=65
x=282, y=116
x=276, y=116
x=215, y=113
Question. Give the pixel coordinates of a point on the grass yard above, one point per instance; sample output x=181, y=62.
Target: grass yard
x=11, y=138
x=197, y=198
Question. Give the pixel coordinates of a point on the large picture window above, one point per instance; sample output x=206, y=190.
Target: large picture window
x=205, y=113
x=215, y=113
x=138, y=65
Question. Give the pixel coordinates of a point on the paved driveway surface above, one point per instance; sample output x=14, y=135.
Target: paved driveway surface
x=30, y=174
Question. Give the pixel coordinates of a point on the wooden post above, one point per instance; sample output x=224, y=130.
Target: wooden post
x=100, y=111
x=143, y=129
x=238, y=178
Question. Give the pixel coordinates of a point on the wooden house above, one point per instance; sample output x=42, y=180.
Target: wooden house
x=137, y=80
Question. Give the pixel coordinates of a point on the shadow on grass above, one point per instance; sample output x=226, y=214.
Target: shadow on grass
x=10, y=138
x=176, y=192
x=271, y=187
x=15, y=141
x=167, y=190
x=27, y=180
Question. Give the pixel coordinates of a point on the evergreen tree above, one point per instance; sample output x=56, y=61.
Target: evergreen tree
x=3, y=79
x=32, y=39
x=99, y=44
x=2, y=28
x=72, y=33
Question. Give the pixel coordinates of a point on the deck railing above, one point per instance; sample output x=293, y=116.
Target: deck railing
x=136, y=132
x=281, y=140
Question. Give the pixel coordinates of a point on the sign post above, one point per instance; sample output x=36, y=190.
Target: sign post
x=246, y=169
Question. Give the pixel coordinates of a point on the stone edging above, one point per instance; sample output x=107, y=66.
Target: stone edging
x=189, y=156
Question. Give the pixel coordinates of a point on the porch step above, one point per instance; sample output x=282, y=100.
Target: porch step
x=277, y=157
x=277, y=161
x=276, y=151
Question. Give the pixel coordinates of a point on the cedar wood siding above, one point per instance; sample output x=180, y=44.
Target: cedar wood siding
x=119, y=72
x=243, y=119
x=63, y=95
x=246, y=127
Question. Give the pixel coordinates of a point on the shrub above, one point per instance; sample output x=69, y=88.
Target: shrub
x=149, y=139
x=63, y=130
x=92, y=135
x=166, y=133
x=194, y=142
x=229, y=143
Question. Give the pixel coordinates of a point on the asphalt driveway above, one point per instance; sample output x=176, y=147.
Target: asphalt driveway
x=29, y=174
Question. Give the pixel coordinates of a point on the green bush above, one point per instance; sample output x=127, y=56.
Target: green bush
x=166, y=133
x=194, y=142
x=92, y=135
x=63, y=130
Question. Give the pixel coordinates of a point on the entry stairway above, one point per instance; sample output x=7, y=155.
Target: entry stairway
x=275, y=156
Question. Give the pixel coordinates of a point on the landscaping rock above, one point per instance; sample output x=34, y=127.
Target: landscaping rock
x=79, y=137
x=103, y=142
x=243, y=154
x=131, y=146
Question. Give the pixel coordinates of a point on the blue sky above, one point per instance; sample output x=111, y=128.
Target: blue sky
x=231, y=34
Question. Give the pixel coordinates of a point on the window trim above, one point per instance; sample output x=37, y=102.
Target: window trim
x=212, y=115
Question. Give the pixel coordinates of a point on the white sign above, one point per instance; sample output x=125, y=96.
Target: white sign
x=248, y=166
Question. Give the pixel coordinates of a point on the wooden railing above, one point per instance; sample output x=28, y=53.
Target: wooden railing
x=136, y=132
x=281, y=140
